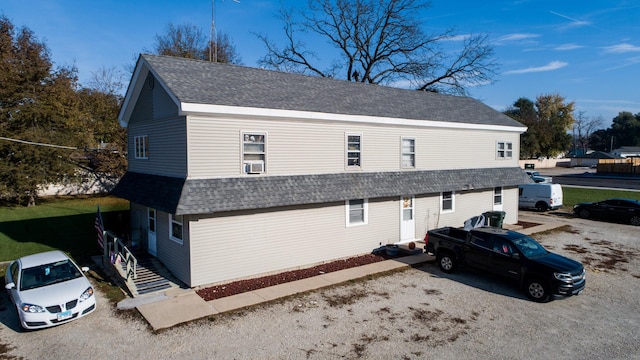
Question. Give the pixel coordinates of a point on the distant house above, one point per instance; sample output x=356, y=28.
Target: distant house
x=236, y=172
x=591, y=159
x=627, y=151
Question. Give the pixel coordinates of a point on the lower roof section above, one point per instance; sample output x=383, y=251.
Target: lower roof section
x=203, y=196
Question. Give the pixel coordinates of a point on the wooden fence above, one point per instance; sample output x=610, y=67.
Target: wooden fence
x=628, y=166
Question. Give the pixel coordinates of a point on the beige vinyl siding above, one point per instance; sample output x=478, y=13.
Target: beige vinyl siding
x=310, y=147
x=167, y=147
x=510, y=204
x=173, y=255
x=467, y=204
x=242, y=244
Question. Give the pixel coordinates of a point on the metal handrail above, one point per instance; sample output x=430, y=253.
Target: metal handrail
x=116, y=248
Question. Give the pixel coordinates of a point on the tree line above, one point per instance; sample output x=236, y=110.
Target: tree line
x=555, y=128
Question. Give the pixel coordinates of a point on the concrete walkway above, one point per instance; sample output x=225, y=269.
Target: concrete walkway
x=177, y=306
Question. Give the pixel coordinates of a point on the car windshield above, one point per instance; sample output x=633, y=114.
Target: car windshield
x=47, y=274
x=529, y=247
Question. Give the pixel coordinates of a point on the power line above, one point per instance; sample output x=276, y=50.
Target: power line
x=39, y=144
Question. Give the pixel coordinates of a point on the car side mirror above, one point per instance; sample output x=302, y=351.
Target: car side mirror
x=84, y=268
x=10, y=286
x=515, y=255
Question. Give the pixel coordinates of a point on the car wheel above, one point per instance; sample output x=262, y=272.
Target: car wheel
x=584, y=214
x=542, y=206
x=537, y=290
x=635, y=220
x=446, y=262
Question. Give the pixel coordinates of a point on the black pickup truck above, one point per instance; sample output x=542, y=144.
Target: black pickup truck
x=510, y=254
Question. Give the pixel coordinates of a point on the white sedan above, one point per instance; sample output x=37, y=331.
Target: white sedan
x=48, y=289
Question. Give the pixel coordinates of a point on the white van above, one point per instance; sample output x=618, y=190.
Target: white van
x=540, y=196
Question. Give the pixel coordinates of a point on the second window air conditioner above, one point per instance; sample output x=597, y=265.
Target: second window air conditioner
x=254, y=167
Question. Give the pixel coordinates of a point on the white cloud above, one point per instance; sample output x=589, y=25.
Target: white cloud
x=456, y=37
x=554, y=65
x=621, y=48
x=516, y=37
x=567, y=47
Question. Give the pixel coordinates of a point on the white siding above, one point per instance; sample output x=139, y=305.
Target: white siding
x=243, y=244
x=306, y=147
x=238, y=245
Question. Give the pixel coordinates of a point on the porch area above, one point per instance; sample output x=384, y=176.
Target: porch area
x=139, y=272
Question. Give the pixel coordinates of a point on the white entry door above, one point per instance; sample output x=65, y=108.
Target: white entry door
x=407, y=219
x=151, y=232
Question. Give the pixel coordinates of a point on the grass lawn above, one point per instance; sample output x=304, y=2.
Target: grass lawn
x=58, y=223
x=575, y=195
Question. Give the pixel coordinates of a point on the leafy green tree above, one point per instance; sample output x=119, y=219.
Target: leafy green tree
x=626, y=129
x=38, y=116
x=548, y=121
x=601, y=140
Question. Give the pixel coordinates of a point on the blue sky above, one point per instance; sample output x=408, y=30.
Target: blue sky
x=587, y=51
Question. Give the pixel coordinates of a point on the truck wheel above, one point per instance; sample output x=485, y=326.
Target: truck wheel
x=541, y=206
x=446, y=262
x=537, y=290
x=584, y=214
x=635, y=220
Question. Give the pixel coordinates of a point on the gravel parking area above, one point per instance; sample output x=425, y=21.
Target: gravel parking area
x=414, y=314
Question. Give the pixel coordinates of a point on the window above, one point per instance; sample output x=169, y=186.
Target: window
x=175, y=228
x=142, y=147
x=357, y=212
x=408, y=153
x=504, y=150
x=354, y=143
x=254, y=153
x=497, y=196
x=447, y=202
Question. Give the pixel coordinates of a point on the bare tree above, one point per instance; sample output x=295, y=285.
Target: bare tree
x=189, y=41
x=381, y=42
x=107, y=80
x=583, y=128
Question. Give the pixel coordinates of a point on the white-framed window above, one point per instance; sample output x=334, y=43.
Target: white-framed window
x=141, y=144
x=354, y=150
x=497, y=196
x=504, y=150
x=408, y=153
x=447, y=201
x=176, y=228
x=254, y=152
x=357, y=212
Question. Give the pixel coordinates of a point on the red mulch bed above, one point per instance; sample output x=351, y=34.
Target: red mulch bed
x=238, y=287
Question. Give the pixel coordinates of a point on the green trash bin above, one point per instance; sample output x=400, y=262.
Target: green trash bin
x=496, y=218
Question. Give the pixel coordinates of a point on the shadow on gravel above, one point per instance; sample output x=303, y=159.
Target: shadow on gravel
x=480, y=280
x=8, y=314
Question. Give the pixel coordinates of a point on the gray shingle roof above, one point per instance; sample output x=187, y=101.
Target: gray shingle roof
x=203, y=82
x=183, y=197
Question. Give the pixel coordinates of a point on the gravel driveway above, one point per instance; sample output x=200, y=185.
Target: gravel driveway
x=414, y=314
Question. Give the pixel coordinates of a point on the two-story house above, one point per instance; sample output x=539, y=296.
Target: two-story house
x=237, y=172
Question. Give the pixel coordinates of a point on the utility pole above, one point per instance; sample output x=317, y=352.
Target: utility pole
x=213, y=33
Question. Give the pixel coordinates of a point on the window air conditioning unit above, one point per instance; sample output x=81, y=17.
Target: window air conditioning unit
x=255, y=167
